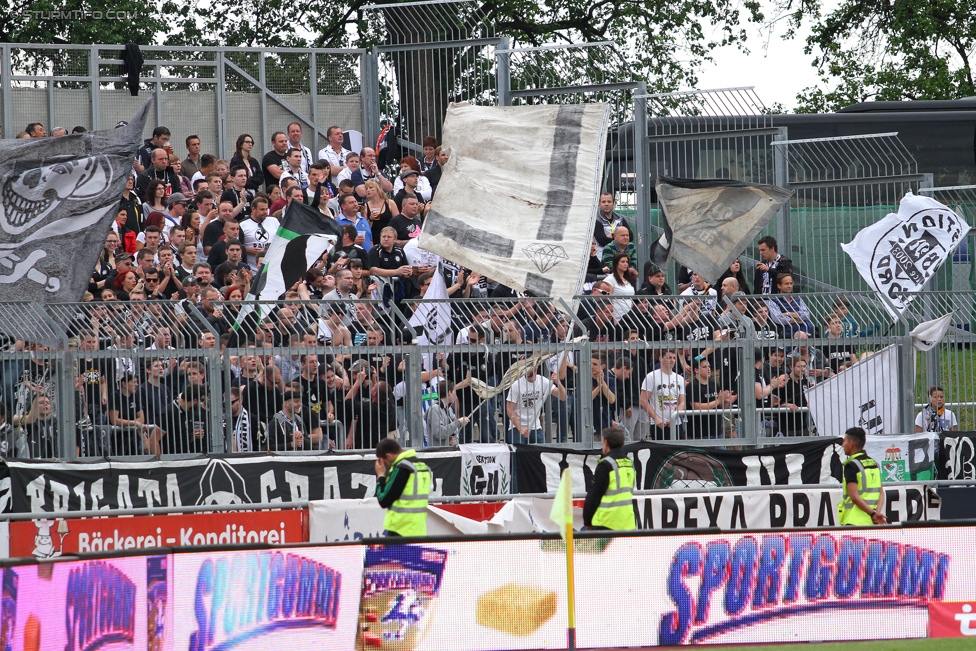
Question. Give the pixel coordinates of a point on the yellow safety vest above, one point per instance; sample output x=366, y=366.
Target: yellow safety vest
x=407, y=516
x=868, y=486
x=616, y=510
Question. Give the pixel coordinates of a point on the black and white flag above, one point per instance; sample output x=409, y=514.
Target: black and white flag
x=303, y=237
x=432, y=318
x=58, y=197
x=523, y=218
x=707, y=223
x=900, y=253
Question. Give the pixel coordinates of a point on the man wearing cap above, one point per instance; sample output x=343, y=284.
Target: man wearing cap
x=655, y=283
x=410, y=180
x=123, y=262
x=175, y=209
x=286, y=431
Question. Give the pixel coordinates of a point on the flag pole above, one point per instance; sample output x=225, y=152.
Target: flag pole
x=570, y=574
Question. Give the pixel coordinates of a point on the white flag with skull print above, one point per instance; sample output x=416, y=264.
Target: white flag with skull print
x=898, y=255
x=58, y=197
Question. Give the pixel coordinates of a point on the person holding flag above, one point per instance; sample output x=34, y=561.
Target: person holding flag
x=303, y=237
x=402, y=488
x=609, y=502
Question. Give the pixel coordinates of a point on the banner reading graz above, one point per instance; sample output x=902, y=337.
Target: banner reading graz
x=665, y=466
x=32, y=487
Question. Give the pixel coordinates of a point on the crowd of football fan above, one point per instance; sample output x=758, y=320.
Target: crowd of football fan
x=191, y=233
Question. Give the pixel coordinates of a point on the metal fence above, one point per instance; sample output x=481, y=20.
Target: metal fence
x=160, y=378
x=214, y=93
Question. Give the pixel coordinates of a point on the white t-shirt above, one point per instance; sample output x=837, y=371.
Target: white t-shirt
x=529, y=398
x=665, y=389
x=708, y=305
x=929, y=421
x=256, y=237
x=621, y=306
x=335, y=159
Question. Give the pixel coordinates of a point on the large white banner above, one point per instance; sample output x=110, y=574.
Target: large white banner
x=521, y=217
x=900, y=253
x=346, y=520
x=486, y=469
x=864, y=395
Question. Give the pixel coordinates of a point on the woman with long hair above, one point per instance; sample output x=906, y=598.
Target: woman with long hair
x=378, y=209
x=362, y=283
x=191, y=222
x=177, y=165
x=242, y=156
x=155, y=197
x=734, y=271
x=125, y=282
x=620, y=279
x=106, y=261
x=321, y=199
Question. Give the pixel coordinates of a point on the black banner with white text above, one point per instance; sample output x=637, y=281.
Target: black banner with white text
x=31, y=487
x=658, y=466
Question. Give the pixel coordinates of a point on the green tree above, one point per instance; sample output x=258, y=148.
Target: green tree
x=900, y=50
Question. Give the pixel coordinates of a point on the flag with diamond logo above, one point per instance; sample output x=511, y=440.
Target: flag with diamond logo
x=524, y=221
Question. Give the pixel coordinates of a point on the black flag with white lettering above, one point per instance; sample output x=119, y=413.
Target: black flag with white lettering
x=58, y=198
x=660, y=465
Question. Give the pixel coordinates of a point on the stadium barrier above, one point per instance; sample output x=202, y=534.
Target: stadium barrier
x=745, y=587
x=399, y=362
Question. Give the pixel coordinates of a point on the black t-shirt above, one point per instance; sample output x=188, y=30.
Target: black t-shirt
x=212, y=233
x=702, y=329
x=383, y=259
x=399, y=196
x=597, y=333
x=837, y=355
x=230, y=194
x=315, y=406
x=707, y=425
x=186, y=432
x=127, y=405
x=406, y=228
x=272, y=158
x=94, y=372
x=792, y=423
x=767, y=401
x=43, y=439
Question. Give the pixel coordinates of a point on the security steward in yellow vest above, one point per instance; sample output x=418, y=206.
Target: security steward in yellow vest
x=863, y=495
x=403, y=486
x=610, y=500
